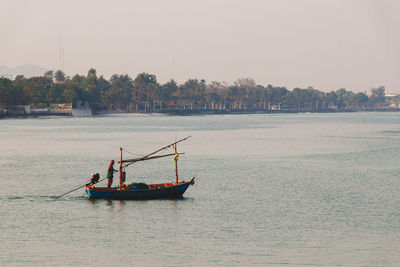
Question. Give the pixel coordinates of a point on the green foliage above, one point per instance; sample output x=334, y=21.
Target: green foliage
x=378, y=96
x=6, y=88
x=70, y=96
x=48, y=75
x=59, y=76
x=145, y=93
x=120, y=93
x=36, y=89
x=169, y=91
x=145, y=88
x=55, y=93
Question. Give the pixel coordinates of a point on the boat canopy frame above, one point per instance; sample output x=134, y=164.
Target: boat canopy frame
x=127, y=162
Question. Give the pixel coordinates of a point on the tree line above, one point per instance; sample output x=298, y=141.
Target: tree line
x=144, y=93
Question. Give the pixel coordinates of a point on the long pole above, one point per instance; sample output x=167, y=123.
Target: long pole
x=120, y=168
x=77, y=188
x=176, y=164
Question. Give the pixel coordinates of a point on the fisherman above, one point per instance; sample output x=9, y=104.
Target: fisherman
x=95, y=178
x=110, y=173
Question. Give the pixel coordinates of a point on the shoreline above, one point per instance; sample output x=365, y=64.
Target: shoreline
x=191, y=112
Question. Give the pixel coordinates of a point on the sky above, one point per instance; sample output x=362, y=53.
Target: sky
x=327, y=44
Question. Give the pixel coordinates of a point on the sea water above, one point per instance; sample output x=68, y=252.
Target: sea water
x=282, y=189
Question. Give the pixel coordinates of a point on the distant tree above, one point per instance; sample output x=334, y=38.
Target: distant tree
x=103, y=86
x=75, y=90
x=344, y=98
x=378, y=96
x=144, y=90
x=360, y=100
x=236, y=95
x=146, y=87
x=169, y=91
x=216, y=94
x=299, y=98
x=36, y=89
x=120, y=91
x=5, y=88
x=245, y=82
x=70, y=96
x=55, y=93
x=93, y=89
x=48, y=75
x=193, y=92
x=79, y=80
x=278, y=95
x=59, y=76
x=331, y=99
x=18, y=85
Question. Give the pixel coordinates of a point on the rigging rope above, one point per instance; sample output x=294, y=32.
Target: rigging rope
x=140, y=155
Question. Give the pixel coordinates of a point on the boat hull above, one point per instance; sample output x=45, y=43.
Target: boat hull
x=153, y=192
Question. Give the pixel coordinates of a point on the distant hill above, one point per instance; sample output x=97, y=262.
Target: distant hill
x=28, y=70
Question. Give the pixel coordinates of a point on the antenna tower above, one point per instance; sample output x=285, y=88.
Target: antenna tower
x=61, y=56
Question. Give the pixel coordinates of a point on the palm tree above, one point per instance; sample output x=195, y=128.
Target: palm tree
x=59, y=76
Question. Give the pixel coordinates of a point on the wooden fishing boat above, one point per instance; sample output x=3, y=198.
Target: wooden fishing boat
x=141, y=190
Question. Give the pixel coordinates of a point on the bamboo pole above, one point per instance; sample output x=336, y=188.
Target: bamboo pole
x=120, y=168
x=176, y=164
x=79, y=188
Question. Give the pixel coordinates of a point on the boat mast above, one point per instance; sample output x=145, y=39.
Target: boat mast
x=176, y=164
x=120, y=168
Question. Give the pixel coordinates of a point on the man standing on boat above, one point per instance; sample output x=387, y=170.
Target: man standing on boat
x=110, y=173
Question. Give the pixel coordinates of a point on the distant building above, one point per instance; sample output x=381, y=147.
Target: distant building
x=390, y=94
x=39, y=111
x=82, y=110
x=61, y=109
x=276, y=107
x=19, y=110
x=171, y=105
x=66, y=109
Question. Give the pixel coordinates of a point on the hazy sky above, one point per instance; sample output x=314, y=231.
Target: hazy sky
x=327, y=44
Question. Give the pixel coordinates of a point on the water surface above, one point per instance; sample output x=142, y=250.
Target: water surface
x=292, y=189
